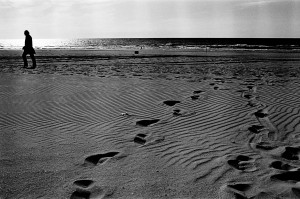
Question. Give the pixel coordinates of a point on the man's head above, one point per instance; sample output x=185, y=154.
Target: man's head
x=26, y=32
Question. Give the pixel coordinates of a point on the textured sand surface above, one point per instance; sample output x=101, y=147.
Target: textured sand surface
x=225, y=126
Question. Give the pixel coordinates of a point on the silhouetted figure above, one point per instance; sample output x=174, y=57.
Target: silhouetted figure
x=28, y=49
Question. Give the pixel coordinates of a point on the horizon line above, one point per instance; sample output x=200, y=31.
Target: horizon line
x=166, y=38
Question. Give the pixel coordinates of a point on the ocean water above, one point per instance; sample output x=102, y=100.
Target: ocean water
x=155, y=43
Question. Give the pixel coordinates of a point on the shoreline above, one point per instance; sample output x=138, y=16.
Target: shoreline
x=148, y=62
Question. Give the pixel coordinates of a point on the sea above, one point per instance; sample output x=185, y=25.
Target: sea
x=155, y=43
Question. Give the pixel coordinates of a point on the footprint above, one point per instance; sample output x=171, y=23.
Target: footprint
x=80, y=194
x=233, y=191
x=291, y=153
x=100, y=158
x=281, y=166
x=95, y=192
x=261, y=114
x=250, y=87
x=171, y=102
x=253, y=97
x=256, y=128
x=241, y=91
x=141, y=135
x=179, y=112
x=140, y=139
x=240, y=186
x=253, y=103
x=146, y=122
x=266, y=146
x=197, y=92
x=176, y=112
x=247, y=96
x=195, y=97
x=290, y=176
x=243, y=163
x=218, y=79
x=83, y=183
x=262, y=117
x=224, y=89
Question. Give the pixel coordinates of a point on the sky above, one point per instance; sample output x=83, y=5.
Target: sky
x=150, y=18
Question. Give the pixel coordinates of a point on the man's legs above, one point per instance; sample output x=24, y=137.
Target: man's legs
x=25, y=60
x=33, y=61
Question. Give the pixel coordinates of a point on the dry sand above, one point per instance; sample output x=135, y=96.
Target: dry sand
x=159, y=124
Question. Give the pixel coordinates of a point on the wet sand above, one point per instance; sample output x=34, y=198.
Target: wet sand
x=157, y=124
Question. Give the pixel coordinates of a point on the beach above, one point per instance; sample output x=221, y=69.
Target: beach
x=150, y=124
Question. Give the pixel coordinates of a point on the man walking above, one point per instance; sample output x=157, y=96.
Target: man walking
x=28, y=49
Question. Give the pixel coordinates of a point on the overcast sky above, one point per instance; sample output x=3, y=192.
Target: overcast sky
x=149, y=18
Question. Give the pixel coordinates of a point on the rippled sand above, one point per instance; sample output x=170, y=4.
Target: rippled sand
x=153, y=125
